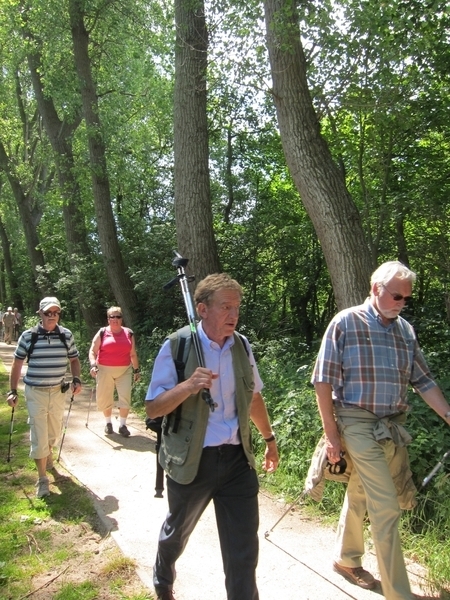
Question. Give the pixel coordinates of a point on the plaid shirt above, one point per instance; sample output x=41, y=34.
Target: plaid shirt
x=370, y=365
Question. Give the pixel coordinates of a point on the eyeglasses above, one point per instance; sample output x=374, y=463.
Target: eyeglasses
x=339, y=467
x=115, y=317
x=51, y=314
x=397, y=297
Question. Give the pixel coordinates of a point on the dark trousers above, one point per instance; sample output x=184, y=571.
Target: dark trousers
x=225, y=477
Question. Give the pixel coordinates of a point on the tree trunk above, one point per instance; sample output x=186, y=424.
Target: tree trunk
x=60, y=135
x=30, y=215
x=193, y=212
x=14, y=297
x=318, y=180
x=119, y=280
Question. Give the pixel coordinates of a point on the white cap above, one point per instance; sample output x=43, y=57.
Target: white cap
x=48, y=302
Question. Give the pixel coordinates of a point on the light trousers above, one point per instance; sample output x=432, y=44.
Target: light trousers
x=109, y=378
x=9, y=332
x=371, y=489
x=46, y=412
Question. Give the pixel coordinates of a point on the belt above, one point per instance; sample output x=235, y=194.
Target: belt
x=223, y=448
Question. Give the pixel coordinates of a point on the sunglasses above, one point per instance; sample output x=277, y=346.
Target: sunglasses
x=115, y=317
x=339, y=467
x=51, y=314
x=397, y=297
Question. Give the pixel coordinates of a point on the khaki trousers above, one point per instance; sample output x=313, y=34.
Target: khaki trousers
x=109, y=378
x=9, y=331
x=46, y=412
x=371, y=488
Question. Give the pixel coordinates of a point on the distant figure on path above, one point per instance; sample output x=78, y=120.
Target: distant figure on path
x=8, y=325
x=17, y=324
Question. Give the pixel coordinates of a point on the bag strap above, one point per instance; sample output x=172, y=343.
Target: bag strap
x=34, y=339
x=102, y=330
x=35, y=336
x=180, y=353
x=241, y=337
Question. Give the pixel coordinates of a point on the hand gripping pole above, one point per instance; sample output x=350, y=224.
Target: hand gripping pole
x=180, y=263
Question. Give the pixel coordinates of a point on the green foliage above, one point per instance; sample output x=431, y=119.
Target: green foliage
x=378, y=76
x=426, y=531
x=36, y=535
x=292, y=407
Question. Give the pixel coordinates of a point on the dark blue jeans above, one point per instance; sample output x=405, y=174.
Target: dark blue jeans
x=224, y=476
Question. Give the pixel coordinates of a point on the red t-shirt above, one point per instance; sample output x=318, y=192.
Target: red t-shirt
x=115, y=348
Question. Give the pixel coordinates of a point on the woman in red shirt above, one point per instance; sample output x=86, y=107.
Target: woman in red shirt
x=114, y=363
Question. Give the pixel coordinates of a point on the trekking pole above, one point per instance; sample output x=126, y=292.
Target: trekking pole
x=435, y=469
x=269, y=531
x=180, y=263
x=65, y=428
x=11, y=428
x=89, y=408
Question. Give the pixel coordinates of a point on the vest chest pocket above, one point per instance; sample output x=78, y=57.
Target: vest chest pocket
x=176, y=445
x=244, y=372
x=248, y=385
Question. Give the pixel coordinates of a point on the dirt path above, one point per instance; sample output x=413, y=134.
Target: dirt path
x=295, y=560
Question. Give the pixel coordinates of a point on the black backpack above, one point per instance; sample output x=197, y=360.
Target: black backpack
x=57, y=332
x=181, y=353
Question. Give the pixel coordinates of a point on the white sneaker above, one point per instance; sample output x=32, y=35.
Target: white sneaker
x=43, y=488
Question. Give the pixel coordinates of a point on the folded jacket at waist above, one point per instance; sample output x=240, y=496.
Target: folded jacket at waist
x=388, y=427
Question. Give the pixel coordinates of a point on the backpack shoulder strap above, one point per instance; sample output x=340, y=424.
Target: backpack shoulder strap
x=101, y=331
x=62, y=337
x=35, y=336
x=34, y=339
x=180, y=344
x=129, y=333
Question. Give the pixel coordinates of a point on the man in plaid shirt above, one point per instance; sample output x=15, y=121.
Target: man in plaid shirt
x=368, y=358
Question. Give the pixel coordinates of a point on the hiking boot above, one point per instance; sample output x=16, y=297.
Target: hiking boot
x=109, y=428
x=42, y=486
x=164, y=594
x=50, y=464
x=123, y=430
x=356, y=575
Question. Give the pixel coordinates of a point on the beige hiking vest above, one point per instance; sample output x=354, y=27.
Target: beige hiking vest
x=180, y=451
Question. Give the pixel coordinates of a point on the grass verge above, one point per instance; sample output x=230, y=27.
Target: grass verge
x=55, y=547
